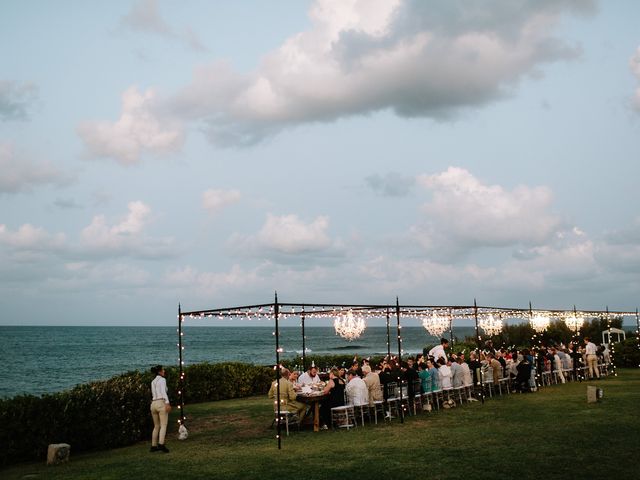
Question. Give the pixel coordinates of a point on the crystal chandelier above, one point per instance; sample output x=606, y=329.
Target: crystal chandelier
x=349, y=327
x=574, y=322
x=490, y=325
x=539, y=323
x=436, y=324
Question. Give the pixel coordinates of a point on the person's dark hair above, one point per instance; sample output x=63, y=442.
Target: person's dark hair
x=443, y=341
x=156, y=370
x=441, y=361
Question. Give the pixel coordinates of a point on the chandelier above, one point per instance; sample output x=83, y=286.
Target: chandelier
x=349, y=327
x=436, y=324
x=490, y=325
x=574, y=322
x=539, y=323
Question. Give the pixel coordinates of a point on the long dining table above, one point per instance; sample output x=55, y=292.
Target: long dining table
x=313, y=399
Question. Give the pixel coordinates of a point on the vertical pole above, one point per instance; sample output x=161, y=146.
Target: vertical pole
x=304, y=347
x=181, y=368
x=612, y=349
x=536, y=341
x=388, y=338
x=277, y=334
x=451, y=329
x=479, y=349
x=399, y=358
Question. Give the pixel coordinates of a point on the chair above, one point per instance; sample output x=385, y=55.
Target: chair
x=361, y=411
x=417, y=396
x=506, y=382
x=460, y=393
x=392, y=399
x=343, y=417
x=286, y=417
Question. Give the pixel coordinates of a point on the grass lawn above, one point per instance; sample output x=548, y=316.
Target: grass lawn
x=553, y=433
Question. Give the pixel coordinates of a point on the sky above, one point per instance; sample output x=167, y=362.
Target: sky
x=207, y=153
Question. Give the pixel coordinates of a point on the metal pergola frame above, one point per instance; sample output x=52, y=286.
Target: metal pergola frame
x=277, y=310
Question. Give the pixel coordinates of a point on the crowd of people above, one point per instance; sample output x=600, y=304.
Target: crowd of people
x=439, y=369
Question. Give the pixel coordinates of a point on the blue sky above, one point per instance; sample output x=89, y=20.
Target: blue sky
x=210, y=153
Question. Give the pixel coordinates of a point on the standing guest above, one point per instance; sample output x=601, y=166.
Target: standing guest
x=335, y=391
x=356, y=390
x=160, y=408
x=310, y=377
x=592, y=358
x=438, y=351
x=372, y=379
x=287, y=395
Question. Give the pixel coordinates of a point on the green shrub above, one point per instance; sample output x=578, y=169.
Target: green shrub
x=627, y=353
x=114, y=412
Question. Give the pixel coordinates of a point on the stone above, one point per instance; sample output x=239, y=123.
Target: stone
x=592, y=394
x=58, y=453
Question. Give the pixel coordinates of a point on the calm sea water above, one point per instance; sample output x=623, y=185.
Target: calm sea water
x=39, y=360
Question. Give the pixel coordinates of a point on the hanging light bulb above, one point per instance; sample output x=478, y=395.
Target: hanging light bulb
x=348, y=326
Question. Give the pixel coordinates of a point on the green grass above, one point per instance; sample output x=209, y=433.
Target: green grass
x=552, y=434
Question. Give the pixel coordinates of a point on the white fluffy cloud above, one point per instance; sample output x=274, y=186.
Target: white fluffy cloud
x=16, y=99
x=214, y=200
x=22, y=174
x=417, y=58
x=289, y=239
x=464, y=213
x=634, y=64
x=30, y=238
x=126, y=237
x=141, y=128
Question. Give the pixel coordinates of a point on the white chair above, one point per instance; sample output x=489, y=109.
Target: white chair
x=343, y=417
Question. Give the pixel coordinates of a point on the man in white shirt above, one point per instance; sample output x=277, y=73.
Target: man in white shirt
x=310, y=377
x=438, y=351
x=356, y=390
x=592, y=358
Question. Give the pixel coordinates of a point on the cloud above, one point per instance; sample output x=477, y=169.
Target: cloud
x=634, y=64
x=288, y=239
x=145, y=17
x=141, y=128
x=427, y=59
x=21, y=174
x=465, y=214
x=16, y=99
x=66, y=203
x=215, y=200
x=28, y=238
x=390, y=185
x=125, y=238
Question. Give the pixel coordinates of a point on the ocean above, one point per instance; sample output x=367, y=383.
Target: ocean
x=40, y=360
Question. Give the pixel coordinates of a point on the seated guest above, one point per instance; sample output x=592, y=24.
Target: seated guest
x=456, y=373
x=335, y=391
x=466, y=371
x=356, y=390
x=435, y=375
x=310, y=377
x=495, y=367
x=444, y=373
x=474, y=366
x=523, y=376
x=293, y=378
x=410, y=375
x=425, y=377
x=372, y=379
x=287, y=395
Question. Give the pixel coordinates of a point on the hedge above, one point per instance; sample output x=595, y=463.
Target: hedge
x=114, y=412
